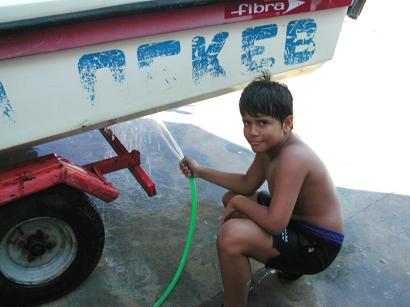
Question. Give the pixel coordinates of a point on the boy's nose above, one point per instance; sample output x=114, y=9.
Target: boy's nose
x=254, y=130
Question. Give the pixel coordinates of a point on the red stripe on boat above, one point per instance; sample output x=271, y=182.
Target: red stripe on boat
x=271, y=8
x=64, y=37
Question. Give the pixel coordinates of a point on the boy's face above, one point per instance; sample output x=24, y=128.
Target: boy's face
x=264, y=132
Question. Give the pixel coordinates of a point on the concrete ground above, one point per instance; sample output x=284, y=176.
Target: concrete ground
x=352, y=111
x=145, y=236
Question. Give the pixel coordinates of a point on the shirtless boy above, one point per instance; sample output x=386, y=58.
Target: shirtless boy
x=296, y=227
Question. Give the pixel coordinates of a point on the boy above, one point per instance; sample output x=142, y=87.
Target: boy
x=297, y=227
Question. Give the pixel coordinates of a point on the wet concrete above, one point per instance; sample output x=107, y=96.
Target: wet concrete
x=145, y=236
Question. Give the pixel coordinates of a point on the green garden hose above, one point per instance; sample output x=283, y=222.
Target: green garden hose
x=184, y=258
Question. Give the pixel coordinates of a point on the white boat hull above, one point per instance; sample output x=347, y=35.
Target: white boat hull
x=50, y=95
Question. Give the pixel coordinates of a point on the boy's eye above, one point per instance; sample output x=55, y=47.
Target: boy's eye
x=245, y=122
x=262, y=123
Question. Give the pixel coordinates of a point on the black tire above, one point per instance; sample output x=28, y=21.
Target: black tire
x=57, y=227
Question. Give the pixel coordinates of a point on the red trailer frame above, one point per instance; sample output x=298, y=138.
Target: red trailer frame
x=29, y=177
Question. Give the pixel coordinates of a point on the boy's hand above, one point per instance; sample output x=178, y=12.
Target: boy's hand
x=231, y=210
x=189, y=167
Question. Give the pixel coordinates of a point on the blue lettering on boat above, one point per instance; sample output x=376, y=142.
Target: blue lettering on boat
x=90, y=63
x=5, y=106
x=146, y=53
x=300, y=46
x=205, y=60
x=249, y=50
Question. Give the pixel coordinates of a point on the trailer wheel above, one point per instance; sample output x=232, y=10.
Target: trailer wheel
x=49, y=243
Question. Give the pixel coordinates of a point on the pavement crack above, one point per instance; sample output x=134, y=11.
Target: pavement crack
x=370, y=205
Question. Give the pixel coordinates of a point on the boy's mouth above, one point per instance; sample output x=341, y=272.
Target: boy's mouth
x=255, y=143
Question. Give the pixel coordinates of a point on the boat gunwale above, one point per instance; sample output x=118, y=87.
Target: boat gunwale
x=121, y=10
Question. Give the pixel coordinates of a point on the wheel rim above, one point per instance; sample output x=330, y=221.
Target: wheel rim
x=37, y=250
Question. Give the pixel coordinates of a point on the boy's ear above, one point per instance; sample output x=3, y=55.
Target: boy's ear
x=288, y=123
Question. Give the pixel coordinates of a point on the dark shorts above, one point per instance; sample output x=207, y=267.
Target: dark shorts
x=304, y=248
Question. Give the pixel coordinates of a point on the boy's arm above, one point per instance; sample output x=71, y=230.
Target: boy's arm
x=245, y=184
x=285, y=181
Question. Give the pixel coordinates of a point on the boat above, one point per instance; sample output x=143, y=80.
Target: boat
x=67, y=67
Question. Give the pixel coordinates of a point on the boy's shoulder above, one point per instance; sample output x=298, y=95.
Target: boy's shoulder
x=294, y=147
x=295, y=153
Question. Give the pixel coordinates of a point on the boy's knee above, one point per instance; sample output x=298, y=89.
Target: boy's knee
x=229, y=237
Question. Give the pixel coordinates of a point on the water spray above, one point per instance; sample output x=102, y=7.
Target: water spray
x=178, y=152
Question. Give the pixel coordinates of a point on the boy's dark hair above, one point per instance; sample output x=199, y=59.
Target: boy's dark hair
x=265, y=97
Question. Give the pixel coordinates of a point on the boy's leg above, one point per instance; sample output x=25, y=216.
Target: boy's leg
x=239, y=239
